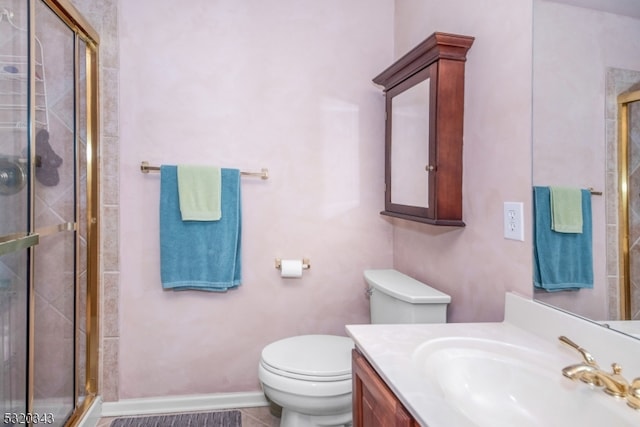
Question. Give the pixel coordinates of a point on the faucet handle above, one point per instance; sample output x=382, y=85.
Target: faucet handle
x=619, y=386
x=588, y=358
x=633, y=395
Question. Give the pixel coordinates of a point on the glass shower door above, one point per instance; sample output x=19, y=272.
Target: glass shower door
x=14, y=285
x=632, y=296
x=14, y=212
x=48, y=214
x=55, y=219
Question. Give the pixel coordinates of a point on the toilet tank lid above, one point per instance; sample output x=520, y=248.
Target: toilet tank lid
x=403, y=287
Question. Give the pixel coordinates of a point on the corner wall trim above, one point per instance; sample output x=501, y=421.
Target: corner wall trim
x=186, y=403
x=91, y=417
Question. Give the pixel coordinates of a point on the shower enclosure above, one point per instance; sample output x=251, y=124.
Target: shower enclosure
x=48, y=212
x=629, y=166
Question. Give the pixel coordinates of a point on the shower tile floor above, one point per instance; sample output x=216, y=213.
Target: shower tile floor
x=251, y=417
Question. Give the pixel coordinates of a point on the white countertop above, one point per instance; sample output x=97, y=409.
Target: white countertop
x=630, y=327
x=390, y=348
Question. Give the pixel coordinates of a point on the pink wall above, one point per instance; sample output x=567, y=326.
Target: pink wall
x=284, y=85
x=475, y=264
x=288, y=86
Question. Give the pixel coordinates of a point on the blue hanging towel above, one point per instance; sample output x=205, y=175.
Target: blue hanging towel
x=562, y=261
x=199, y=255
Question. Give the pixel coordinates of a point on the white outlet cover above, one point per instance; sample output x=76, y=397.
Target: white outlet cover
x=513, y=221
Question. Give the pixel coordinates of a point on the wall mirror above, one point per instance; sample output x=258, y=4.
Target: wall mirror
x=424, y=92
x=410, y=148
x=584, y=58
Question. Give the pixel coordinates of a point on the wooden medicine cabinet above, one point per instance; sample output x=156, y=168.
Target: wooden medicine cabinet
x=424, y=93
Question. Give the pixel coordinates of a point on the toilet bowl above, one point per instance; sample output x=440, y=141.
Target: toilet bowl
x=309, y=376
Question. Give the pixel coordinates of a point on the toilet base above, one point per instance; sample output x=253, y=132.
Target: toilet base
x=295, y=419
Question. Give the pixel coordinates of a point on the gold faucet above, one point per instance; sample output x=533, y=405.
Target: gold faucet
x=633, y=396
x=614, y=383
x=588, y=358
x=583, y=371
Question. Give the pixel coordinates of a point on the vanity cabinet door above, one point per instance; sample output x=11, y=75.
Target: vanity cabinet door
x=374, y=404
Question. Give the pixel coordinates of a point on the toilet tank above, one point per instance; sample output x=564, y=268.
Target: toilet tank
x=398, y=298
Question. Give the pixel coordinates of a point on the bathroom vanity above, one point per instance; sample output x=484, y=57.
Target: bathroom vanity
x=374, y=404
x=488, y=374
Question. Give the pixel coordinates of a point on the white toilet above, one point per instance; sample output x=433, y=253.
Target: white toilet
x=309, y=376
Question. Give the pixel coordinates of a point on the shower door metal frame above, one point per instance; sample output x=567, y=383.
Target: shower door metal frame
x=623, y=198
x=83, y=32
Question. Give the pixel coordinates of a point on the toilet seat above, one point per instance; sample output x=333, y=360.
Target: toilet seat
x=310, y=358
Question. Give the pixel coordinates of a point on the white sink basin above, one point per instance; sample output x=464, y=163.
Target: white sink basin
x=495, y=384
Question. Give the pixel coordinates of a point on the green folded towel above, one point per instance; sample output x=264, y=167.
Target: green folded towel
x=566, y=209
x=199, y=193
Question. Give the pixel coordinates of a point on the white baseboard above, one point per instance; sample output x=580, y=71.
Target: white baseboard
x=91, y=418
x=187, y=403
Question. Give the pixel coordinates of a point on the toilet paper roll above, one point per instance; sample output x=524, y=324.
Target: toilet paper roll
x=291, y=268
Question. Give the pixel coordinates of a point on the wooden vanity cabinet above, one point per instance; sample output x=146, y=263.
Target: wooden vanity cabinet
x=374, y=404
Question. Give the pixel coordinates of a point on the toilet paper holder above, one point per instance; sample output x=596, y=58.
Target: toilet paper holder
x=306, y=264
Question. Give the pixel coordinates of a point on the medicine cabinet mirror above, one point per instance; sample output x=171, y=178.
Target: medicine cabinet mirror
x=424, y=125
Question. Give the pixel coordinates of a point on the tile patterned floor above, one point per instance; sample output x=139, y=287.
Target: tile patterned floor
x=251, y=417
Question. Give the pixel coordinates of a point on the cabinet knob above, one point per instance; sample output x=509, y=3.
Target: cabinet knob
x=430, y=168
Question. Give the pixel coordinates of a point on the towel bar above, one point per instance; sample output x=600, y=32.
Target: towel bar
x=146, y=168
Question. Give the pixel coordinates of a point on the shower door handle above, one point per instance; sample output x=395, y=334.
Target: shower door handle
x=16, y=243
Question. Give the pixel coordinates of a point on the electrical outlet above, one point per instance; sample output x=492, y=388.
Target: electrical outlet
x=513, y=221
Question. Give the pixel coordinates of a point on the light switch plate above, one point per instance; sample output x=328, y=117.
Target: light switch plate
x=513, y=221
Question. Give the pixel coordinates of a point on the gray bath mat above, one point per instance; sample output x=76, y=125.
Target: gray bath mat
x=203, y=419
